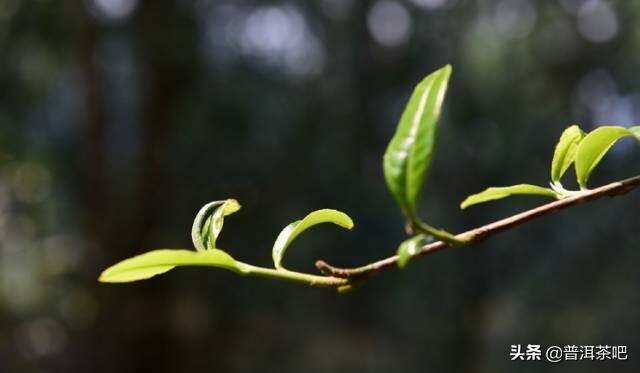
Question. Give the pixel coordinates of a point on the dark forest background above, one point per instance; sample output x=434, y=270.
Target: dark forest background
x=120, y=118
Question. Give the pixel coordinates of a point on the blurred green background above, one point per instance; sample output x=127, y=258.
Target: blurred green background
x=120, y=118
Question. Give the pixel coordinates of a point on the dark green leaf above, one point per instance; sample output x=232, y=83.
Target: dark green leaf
x=409, y=248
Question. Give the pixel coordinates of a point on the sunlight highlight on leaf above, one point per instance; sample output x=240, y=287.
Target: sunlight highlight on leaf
x=206, y=228
x=409, y=248
x=156, y=262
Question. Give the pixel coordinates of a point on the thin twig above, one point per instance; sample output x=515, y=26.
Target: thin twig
x=476, y=235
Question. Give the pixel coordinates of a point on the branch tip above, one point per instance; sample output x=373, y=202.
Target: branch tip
x=359, y=274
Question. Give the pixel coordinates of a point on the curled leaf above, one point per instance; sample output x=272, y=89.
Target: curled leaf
x=595, y=145
x=408, y=156
x=494, y=193
x=409, y=248
x=565, y=152
x=206, y=228
x=156, y=262
x=291, y=231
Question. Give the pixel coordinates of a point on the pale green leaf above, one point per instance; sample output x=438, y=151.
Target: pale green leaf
x=156, y=262
x=635, y=131
x=291, y=231
x=595, y=145
x=207, y=227
x=494, y=193
x=408, y=156
x=565, y=152
x=409, y=248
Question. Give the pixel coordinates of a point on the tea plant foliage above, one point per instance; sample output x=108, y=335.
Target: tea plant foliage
x=206, y=228
x=405, y=165
x=409, y=248
x=291, y=231
x=408, y=156
x=565, y=152
x=156, y=262
x=575, y=147
x=205, y=231
x=595, y=145
x=493, y=193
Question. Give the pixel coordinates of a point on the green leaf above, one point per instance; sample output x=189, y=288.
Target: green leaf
x=156, y=262
x=494, y=193
x=291, y=231
x=206, y=228
x=408, y=156
x=565, y=152
x=595, y=145
x=409, y=248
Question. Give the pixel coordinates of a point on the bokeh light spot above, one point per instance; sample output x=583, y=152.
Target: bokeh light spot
x=597, y=21
x=389, y=23
x=113, y=10
x=515, y=18
x=432, y=4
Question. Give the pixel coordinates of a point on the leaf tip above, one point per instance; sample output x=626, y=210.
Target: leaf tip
x=107, y=276
x=341, y=219
x=349, y=223
x=231, y=205
x=102, y=278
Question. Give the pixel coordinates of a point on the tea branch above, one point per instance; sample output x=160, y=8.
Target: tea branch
x=357, y=274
